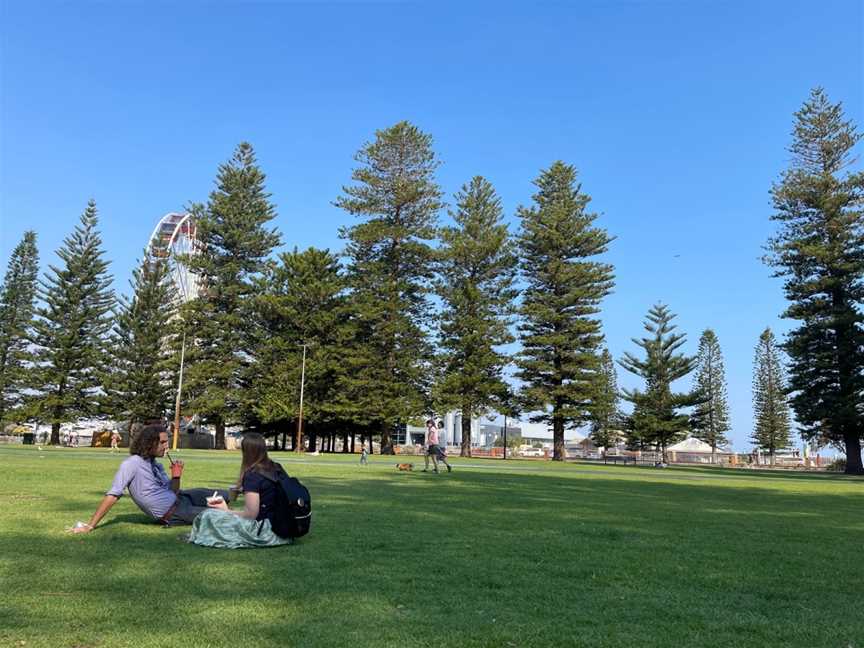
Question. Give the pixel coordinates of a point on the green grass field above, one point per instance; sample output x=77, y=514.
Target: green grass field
x=496, y=554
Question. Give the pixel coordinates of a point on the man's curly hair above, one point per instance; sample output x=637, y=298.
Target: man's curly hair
x=146, y=442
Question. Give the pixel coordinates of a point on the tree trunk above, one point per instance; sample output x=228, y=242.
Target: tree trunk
x=313, y=442
x=853, y=453
x=558, y=439
x=386, y=440
x=353, y=439
x=465, y=450
x=220, y=434
x=55, y=433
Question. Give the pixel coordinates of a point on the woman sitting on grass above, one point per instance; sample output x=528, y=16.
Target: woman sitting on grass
x=219, y=526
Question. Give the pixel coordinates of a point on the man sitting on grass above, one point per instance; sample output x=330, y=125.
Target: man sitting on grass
x=149, y=486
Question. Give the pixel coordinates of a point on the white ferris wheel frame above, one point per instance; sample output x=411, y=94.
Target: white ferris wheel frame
x=175, y=234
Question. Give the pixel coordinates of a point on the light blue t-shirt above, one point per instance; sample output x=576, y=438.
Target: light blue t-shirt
x=148, y=485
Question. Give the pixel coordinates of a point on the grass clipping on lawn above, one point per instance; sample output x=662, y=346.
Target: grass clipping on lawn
x=497, y=553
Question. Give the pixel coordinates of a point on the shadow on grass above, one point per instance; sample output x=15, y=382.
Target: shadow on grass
x=489, y=558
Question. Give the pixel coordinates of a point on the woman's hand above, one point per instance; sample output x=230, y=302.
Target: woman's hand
x=218, y=504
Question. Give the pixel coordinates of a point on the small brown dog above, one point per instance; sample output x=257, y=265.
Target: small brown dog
x=405, y=466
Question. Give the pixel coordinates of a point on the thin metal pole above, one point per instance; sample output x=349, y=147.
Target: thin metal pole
x=505, y=436
x=302, y=384
x=179, y=389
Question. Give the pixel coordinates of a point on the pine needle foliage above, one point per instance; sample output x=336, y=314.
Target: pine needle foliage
x=710, y=419
x=477, y=271
x=658, y=420
x=140, y=384
x=71, y=329
x=564, y=285
x=770, y=406
x=606, y=419
x=235, y=245
x=306, y=303
x=819, y=252
x=17, y=309
x=390, y=268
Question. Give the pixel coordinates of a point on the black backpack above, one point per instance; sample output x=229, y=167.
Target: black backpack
x=291, y=513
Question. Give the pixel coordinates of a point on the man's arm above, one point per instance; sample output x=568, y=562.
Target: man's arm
x=104, y=506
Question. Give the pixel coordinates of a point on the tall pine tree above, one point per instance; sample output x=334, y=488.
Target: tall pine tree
x=606, y=420
x=657, y=419
x=477, y=271
x=770, y=407
x=710, y=420
x=140, y=385
x=306, y=304
x=235, y=244
x=390, y=267
x=71, y=329
x=565, y=284
x=17, y=308
x=819, y=251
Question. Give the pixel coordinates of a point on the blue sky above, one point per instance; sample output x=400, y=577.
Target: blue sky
x=677, y=115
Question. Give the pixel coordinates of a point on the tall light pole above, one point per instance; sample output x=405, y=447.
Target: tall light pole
x=300, y=418
x=177, y=401
x=505, y=436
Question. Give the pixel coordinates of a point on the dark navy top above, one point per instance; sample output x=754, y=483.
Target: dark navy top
x=255, y=482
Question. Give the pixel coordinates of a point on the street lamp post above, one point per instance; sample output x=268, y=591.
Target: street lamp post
x=505, y=436
x=300, y=418
x=179, y=390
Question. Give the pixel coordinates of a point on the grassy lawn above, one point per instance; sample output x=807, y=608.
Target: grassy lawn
x=495, y=554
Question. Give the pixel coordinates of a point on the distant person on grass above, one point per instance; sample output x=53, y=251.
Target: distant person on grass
x=221, y=527
x=433, y=449
x=150, y=488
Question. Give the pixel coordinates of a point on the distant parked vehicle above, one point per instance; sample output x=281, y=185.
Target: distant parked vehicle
x=532, y=452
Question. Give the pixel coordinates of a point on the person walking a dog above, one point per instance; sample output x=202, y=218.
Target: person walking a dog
x=149, y=486
x=433, y=449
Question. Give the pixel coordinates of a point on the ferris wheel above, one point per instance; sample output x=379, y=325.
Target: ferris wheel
x=174, y=239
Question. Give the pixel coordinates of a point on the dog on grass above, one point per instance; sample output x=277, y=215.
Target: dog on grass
x=405, y=466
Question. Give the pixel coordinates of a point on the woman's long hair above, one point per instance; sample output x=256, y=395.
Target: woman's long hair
x=255, y=457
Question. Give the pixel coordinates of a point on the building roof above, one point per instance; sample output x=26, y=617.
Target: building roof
x=693, y=445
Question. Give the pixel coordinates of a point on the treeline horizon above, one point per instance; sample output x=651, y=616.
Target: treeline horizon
x=413, y=318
